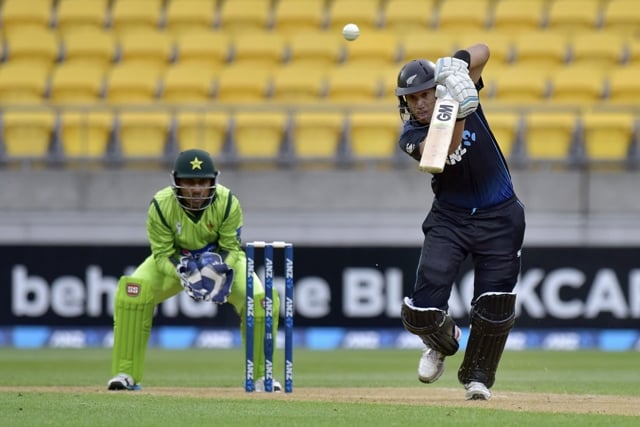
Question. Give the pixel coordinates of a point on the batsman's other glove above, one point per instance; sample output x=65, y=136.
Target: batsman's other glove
x=448, y=66
x=217, y=277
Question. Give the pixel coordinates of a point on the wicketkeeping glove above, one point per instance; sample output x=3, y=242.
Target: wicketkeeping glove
x=448, y=66
x=217, y=277
x=463, y=90
x=190, y=277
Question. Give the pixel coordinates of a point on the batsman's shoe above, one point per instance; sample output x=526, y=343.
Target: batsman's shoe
x=477, y=391
x=259, y=385
x=123, y=382
x=431, y=366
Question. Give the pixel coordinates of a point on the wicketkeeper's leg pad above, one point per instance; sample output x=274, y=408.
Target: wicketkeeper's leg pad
x=259, y=332
x=492, y=317
x=436, y=328
x=132, y=319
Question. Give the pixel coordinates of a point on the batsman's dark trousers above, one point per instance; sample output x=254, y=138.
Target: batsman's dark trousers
x=492, y=237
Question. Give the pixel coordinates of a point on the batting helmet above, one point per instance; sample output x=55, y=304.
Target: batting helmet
x=194, y=164
x=414, y=76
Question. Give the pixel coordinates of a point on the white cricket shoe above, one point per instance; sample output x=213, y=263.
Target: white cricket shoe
x=431, y=366
x=275, y=385
x=477, y=391
x=123, y=382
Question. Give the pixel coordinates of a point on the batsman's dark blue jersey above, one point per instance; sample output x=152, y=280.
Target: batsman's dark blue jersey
x=476, y=175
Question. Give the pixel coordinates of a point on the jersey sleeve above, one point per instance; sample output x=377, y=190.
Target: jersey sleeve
x=161, y=239
x=229, y=234
x=411, y=138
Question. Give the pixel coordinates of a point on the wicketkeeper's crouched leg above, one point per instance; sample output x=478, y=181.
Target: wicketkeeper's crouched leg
x=132, y=320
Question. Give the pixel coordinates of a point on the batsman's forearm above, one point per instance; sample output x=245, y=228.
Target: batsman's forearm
x=479, y=55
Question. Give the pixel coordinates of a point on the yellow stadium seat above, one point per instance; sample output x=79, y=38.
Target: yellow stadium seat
x=549, y=135
x=28, y=134
x=320, y=49
x=93, y=47
x=209, y=49
x=516, y=16
x=580, y=85
x=207, y=130
x=316, y=135
x=185, y=16
x=348, y=85
x=258, y=49
x=81, y=14
x=152, y=48
x=35, y=46
x=363, y=12
x=506, y=128
x=389, y=77
x=292, y=17
x=573, y=16
x=599, y=49
x=26, y=14
x=546, y=50
x=632, y=58
x=86, y=134
x=377, y=49
x=22, y=83
x=135, y=15
x=73, y=83
x=132, y=83
x=298, y=84
x=457, y=16
x=608, y=135
x=408, y=16
x=240, y=84
x=143, y=134
x=624, y=85
x=244, y=16
x=429, y=45
x=500, y=45
x=518, y=84
x=374, y=135
x=188, y=83
x=259, y=135
x=621, y=16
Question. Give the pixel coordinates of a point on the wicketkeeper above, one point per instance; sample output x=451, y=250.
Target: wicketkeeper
x=193, y=227
x=475, y=213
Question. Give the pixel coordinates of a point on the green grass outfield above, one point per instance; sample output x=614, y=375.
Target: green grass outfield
x=64, y=387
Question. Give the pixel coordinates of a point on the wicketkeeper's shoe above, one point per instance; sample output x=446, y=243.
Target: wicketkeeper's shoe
x=123, y=382
x=275, y=385
x=477, y=391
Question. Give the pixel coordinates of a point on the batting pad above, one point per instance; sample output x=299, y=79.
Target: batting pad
x=132, y=319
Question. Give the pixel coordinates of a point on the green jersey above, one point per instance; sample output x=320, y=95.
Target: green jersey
x=172, y=231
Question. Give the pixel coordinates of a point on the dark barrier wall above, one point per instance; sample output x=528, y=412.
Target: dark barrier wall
x=348, y=287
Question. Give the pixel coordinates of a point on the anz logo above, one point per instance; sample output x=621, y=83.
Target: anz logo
x=468, y=138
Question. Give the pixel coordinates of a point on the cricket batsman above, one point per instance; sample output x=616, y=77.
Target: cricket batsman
x=193, y=227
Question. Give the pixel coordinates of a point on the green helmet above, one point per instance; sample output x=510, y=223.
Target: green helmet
x=194, y=164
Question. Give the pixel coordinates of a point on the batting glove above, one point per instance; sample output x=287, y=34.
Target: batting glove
x=449, y=66
x=190, y=277
x=463, y=90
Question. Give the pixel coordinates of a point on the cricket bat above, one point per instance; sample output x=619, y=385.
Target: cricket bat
x=438, y=139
